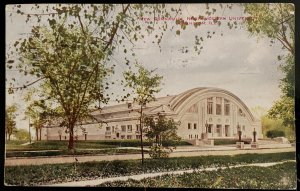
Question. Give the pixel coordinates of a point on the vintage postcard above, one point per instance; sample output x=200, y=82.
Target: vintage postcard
x=150, y=95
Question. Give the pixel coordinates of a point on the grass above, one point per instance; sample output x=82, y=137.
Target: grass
x=249, y=177
x=58, y=145
x=62, y=145
x=111, y=151
x=55, y=173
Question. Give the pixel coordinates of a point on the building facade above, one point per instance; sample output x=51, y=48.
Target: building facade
x=211, y=113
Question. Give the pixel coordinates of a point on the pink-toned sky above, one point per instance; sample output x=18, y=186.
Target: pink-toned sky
x=240, y=63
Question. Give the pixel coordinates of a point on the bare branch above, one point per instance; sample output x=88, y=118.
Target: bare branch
x=31, y=83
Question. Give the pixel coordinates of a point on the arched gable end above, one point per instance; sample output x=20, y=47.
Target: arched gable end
x=187, y=99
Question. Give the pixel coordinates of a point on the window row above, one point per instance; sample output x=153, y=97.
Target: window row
x=195, y=136
x=124, y=128
x=125, y=137
x=218, y=106
x=190, y=126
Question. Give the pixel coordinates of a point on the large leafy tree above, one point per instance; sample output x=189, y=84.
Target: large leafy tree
x=10, y=121
x=68, y=48
x=145, y=84
x=277, y=22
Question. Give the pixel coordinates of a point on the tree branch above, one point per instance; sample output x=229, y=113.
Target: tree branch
x=25, y=86
x=114, y=30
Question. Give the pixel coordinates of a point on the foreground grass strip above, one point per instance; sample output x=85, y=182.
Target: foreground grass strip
x=57, y=173
x=280, y=176
x=111, y=151
x=62, y=145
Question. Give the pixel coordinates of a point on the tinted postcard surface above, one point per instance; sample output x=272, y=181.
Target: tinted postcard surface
x=150, y=95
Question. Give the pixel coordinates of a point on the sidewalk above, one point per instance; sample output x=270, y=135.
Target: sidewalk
x=179, y=152
x=150, y=175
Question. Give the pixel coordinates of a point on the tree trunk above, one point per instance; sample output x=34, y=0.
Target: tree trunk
x=71, y=138
x=37, y=133
x=9, y=136
x=40, y=134
x=141, y=129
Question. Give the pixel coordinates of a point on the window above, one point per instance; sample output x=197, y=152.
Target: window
x=218, y=129
x=226, y=107
x=189, y=126
x=123, y=128
x=113, y=128
x=129, y=105
x=195, y=125
x=138, y=129
x=107, y=137
x=241, y=113
x=129, y=128
x=209, y=128
x=138, y=136
x=129, y=137
x=209, y=105
x=107, y=128
x=219, y=106
x=122, y=136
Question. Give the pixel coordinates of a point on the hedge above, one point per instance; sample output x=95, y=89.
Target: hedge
x=280, y=176
x=275, y=133
x=230, y=141
x=55, y=173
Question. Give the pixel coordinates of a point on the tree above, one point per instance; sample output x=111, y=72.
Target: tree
x=22, y=135
x=67, y=51
x=277, y=22
x=161, y=131
x=10, y=123
x=144, y=84
x=37, y=113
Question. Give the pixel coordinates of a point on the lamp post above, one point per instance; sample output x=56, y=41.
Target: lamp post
x=239, y=132
x=254, y=136
x=206, y=127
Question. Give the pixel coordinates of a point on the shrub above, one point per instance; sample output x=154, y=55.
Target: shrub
x=275, y=133
x=159, y=152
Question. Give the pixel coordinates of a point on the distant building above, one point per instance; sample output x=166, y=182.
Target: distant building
x=203, y=112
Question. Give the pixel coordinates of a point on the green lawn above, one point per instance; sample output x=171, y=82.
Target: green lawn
x=280, y=176
x=63, y=145
x=107, y=151
x=55, y=173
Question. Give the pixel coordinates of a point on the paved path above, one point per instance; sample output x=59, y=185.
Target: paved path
x=150, y=175
x=177, y=153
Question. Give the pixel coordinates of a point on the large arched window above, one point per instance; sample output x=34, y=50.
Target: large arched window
x=209, y=105
x=218, y=106
x=226, y=107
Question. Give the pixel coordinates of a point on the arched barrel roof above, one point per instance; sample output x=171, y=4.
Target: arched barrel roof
x=184, y=97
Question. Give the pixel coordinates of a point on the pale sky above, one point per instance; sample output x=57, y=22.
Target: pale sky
x=237, y=62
